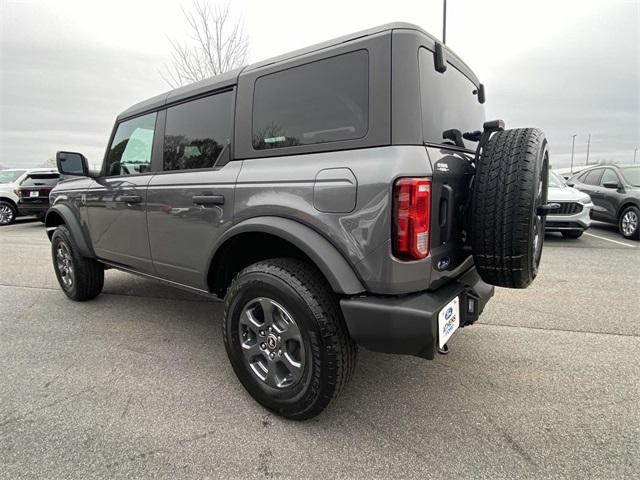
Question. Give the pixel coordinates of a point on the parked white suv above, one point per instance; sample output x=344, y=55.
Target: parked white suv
x=572, y=217
x=10, y=181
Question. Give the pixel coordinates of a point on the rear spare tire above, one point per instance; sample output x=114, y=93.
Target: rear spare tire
x=507, y=225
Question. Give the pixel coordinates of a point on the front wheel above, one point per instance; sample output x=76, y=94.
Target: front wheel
x=79, y=277
x=286, y=338
x=629, y=223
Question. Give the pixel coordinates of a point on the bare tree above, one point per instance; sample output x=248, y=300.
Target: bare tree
x=217, y=43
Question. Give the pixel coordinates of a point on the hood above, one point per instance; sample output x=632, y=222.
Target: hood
x=567, y=194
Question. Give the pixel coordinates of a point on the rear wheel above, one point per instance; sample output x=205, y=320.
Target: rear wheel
x=79, y=277
x=8, y=213
x=507, y=224
x=572, y=234
x=629, y=223
x=286, y=338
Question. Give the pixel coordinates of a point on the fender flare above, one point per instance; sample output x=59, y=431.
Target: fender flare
x=71, y=221
x=322, y=253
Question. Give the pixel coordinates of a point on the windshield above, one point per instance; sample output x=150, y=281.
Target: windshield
x=10, y=176
x=555, y=180
x=448, y=103
x=631, y=175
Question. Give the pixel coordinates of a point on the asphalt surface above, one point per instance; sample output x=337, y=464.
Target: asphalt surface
x=136, y=383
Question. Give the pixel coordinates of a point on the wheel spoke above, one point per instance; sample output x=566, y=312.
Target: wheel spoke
x=267, y=310
x=271, y=343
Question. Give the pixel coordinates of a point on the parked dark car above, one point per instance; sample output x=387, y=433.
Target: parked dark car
x=349, y=193
x=33, y=193
x=615, y=191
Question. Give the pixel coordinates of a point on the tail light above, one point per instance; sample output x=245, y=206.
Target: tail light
x=411, y=216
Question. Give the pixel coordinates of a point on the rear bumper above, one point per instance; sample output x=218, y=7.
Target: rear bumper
x=28, y=208
x=408, y=325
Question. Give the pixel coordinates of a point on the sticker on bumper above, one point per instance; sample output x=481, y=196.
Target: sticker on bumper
x=448, y=321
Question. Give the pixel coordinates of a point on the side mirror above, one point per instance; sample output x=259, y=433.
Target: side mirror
x=615, y=185
x=570, y=184
x=72, y=163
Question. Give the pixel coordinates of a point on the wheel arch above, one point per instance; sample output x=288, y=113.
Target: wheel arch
x=626, y=204
x=260, y=238
x=63, y=215
x=9, y=200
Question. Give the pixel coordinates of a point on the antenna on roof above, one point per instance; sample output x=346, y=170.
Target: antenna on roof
x=444, y=22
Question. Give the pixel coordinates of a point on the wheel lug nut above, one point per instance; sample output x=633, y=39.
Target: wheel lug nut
x=279, y=338
x=272, y=355
x=263, y=346
x=262, y=333
x=279, y=353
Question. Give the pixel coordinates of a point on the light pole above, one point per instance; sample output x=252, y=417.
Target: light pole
x=635, y=153
x=588, y=146
x=573, y=143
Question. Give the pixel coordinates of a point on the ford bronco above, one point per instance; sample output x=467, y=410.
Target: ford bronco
x=350, y=193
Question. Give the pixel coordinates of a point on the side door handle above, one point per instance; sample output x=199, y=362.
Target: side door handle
x=206, y=200
x=131, y=199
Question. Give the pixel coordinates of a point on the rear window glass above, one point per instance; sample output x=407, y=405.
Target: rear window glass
x=448, y=102
x=592, y=177
x=197, y=132
x=41, y=180
x=323, y=101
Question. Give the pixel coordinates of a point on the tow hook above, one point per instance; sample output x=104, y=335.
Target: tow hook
x=444, y=350
x=546, y=209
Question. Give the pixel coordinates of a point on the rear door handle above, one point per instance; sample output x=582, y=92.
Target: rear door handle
x=205, y=200
x=446, y=221
x=130, y=199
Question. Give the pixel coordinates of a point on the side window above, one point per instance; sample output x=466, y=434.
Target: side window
x=592, y=177
x=323, y=101
x=197, y=132
x=130, y=151
x=609, y=176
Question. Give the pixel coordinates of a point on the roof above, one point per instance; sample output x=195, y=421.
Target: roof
x=230, y=78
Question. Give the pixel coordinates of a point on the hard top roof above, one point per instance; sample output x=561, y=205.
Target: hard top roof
x=230, y=78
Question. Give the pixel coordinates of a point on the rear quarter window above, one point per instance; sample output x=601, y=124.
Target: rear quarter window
x=322, y=101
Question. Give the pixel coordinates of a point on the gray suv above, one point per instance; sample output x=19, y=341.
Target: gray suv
x=347, y=194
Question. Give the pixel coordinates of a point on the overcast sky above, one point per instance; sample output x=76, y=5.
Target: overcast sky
x=67, y=68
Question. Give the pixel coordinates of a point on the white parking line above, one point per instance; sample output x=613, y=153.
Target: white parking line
x=609, y=240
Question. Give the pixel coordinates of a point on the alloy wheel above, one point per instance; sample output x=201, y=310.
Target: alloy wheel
x=629, y=223
x=6, y=214
x=65, y=265
x=271, y=342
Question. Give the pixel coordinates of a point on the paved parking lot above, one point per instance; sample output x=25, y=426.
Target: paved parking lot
x=136, y=383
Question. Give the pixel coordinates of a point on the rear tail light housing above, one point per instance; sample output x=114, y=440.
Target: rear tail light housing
x=411, y=217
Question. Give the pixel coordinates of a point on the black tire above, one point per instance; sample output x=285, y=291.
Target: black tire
x=87, y=275
x=329, y=352
x=8, y=213
x=507, y=231
x=572, y=234
x=630, y=218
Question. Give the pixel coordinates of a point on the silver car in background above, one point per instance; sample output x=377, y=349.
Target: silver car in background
x=572, y=217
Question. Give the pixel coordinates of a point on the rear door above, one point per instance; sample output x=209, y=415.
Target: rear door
x=116, y=201
x=190, y=203
x=610, y=197
x=449, y=109
x=590, y=183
